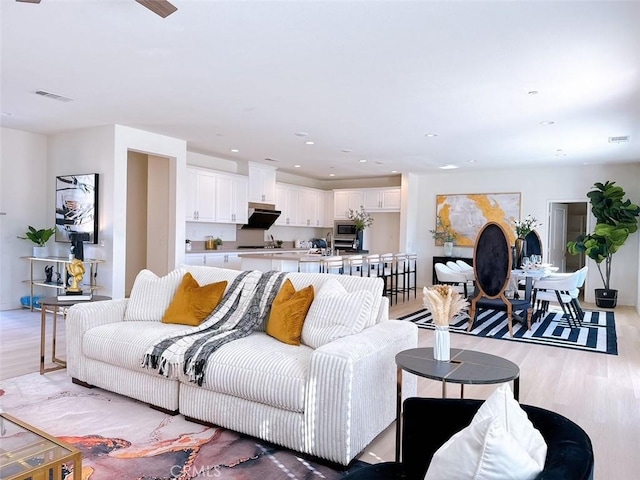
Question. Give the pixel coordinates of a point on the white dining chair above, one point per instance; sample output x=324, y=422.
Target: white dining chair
x=557, y=290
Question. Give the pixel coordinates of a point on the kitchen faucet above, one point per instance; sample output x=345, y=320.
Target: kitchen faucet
x=330, y=243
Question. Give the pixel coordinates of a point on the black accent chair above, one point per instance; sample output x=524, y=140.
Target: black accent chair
x=533, y=244
x=569, y=449
x=492, y=267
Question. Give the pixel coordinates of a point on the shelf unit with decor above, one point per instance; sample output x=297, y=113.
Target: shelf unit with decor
x=60, y=267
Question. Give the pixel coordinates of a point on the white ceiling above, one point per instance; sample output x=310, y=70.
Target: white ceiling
x=366, y=76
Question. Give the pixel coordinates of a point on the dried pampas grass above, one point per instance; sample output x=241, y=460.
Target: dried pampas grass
x=443, y=302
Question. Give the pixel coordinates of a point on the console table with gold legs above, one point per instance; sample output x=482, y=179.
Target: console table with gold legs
x=52, y=304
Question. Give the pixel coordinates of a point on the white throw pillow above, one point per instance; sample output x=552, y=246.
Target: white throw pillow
x=501, y=404
x=482, y=451
x=151, y=295
x=335, y=313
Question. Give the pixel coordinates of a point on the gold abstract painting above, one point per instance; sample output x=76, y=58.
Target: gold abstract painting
x=467, y=213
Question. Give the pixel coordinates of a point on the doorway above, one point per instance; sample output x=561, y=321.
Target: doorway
x=567, y=220
x=147, y=244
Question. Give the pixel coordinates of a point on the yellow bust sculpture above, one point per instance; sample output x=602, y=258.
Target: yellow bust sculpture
x=76, y=270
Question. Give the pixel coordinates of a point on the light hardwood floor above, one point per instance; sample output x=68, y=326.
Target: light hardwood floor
x=599, y=392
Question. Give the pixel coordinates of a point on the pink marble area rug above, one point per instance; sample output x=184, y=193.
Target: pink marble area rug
x=123, y=439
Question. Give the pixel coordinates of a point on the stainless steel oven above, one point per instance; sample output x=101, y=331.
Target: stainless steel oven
x=344, y=234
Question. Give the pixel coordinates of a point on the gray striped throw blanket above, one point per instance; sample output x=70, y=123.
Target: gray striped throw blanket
x=243, y=308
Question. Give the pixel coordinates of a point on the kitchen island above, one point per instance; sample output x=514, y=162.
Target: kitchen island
x=284, y=262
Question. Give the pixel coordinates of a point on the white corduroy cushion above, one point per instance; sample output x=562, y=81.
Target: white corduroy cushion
x=151, y=295
x=261, y=369
x=501, y=404
x=482, y=451
x=336, y=313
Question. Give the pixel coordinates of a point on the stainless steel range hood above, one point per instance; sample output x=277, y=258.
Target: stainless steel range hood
x=261, y=216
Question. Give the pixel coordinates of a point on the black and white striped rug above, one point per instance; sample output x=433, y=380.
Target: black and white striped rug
x=597, y=333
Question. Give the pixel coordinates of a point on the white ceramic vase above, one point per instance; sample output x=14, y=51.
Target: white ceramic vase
x=442, y=343
x=448, y=249
x=40, y=252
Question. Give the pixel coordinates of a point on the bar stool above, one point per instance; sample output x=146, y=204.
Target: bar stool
x=354, y=265
x=412, y=270
x=371, y=267
x=400, y=272
x=387, y=274
x=333, y=265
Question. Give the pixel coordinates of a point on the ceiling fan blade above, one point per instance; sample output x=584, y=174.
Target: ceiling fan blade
x=28, y=1
x=160, y=7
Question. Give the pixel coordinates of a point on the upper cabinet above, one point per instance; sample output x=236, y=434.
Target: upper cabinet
x=382, y=200
x=372, y=199
x=216, y=196
x=262, y=183
x=300, y=206
x=201, y=195
x=231, y=199
x=344, y=200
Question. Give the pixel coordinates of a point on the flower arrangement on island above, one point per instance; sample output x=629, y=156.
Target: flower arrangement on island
x=361, y=218
x=525, y=226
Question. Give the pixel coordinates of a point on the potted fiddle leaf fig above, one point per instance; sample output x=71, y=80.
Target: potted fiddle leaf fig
x=616, y=219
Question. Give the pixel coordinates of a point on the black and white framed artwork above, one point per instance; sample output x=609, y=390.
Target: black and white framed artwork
x=77, y=206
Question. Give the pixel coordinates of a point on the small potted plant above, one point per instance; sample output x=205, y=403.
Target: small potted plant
x=40, y=238
x=616, y=219
x=444, y=234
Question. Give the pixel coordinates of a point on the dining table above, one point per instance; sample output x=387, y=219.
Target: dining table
x=530, y=275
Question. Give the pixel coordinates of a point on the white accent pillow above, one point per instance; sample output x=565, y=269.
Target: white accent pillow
x=335, y=313
x=501, y=404
x=151, y=295
x=482, y=451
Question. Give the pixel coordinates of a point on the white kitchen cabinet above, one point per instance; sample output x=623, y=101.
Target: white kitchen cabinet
x=382, y=199
x=262, y=183
x=201, y=187
x=195, y=259
x=300, y=206
x=343, y=200
x=223, y=260
x=231, y=199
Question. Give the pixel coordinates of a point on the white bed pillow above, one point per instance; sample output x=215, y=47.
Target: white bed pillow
x=482, y=451
x=335, y=313
x=501, y=404
x=151, y=295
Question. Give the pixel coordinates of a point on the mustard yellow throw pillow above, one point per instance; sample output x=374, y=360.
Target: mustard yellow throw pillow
x=288, y=312
x=192, y=303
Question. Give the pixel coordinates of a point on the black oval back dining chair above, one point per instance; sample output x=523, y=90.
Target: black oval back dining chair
x=492, y=265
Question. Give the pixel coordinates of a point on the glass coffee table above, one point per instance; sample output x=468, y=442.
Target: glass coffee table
x=465, y=367
x=28, y=453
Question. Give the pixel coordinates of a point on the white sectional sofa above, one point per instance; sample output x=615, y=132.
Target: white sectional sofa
x=328, y=402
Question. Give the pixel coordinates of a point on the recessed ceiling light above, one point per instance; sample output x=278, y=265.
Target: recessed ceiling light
x=301, y=134
x=394, y=171
x=448, y=167
x=296, y=166
x=363, y=160
x=7, y=114
x=234, y=150
x=346, y=150
x=471, y=161
x=379, y=163
x=430, y=135
x=547, y=122
x=332, y=174
x=532, y=92
x=309, y=142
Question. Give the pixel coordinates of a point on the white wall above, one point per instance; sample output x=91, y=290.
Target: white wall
x=538, y=187
x=23, y=197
